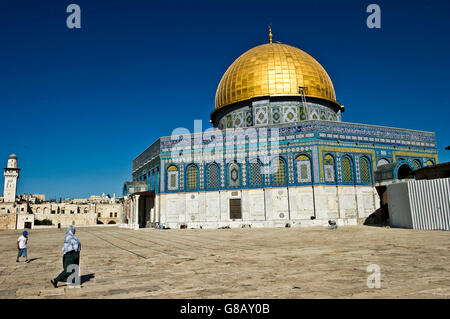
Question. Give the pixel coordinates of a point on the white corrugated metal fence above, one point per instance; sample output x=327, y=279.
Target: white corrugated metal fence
x=430, y=203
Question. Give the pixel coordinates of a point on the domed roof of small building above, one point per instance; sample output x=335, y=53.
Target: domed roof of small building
x=273, y=69
x=14, y=156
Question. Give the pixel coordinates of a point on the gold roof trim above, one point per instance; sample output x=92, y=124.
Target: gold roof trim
x=270, y=32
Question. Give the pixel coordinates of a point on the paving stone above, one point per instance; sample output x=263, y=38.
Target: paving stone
x=237, y=263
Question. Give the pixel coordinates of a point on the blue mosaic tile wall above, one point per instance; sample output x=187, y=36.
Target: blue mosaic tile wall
x=312, y=138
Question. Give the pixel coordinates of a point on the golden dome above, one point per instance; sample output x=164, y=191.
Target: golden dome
x=273, y=69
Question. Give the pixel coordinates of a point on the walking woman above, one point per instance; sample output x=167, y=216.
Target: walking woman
x=71, y=250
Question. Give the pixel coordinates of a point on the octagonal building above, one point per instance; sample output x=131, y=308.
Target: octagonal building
x=279, y=154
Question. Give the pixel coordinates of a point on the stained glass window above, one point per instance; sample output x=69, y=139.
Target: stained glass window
x=430, y=162
x=172, y=177
x=192, y=177
x=417, y=164
x=229, y=121
x=303, y=115
x=364, y=168
x=233, y=175
x=328, y=167
x=213, y=176
x=256, y=177
x=279, y=171
x=347, y=169
x=303, y=165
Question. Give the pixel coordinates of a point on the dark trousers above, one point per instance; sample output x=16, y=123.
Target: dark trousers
x=70, y=258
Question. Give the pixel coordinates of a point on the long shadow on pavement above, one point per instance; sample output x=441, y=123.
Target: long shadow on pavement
x=86, y=278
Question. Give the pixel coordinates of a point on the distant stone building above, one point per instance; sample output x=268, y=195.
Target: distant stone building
x=108, y=213
x=81, y=213
x=32, y=198
x=28, y=211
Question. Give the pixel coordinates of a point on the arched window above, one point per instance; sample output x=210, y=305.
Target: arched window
x=256, y=173
x=192, y=177
x=347, y=170
x=233, y=175
x=430, y=162
x=212, y=176
x=278, y=171
x=328, y=168
x=382, y=161
x=364, y=169
x=303, y=166
x=417, y=164
x=172, y=178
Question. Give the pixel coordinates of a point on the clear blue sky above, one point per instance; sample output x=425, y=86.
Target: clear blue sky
x=78, y=105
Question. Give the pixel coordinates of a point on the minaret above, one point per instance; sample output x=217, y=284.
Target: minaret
x=11, y=176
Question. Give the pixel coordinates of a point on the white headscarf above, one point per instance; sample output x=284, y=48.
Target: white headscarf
x=70, y=241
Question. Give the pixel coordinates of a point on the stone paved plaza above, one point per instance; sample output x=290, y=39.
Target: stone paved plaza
x=233, y=263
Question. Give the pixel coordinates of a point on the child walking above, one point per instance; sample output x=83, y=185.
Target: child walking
x=22, y=246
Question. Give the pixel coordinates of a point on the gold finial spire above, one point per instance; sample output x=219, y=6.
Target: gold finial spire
x=270, y=32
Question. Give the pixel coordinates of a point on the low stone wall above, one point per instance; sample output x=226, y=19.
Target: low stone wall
x=100, y=226
x=270, y=224
x=81, y=219
x=128, y=226
x=7, y=221
x=44, y=226
x=79, y=226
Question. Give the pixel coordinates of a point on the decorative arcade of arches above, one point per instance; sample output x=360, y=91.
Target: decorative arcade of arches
x=279, y=172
